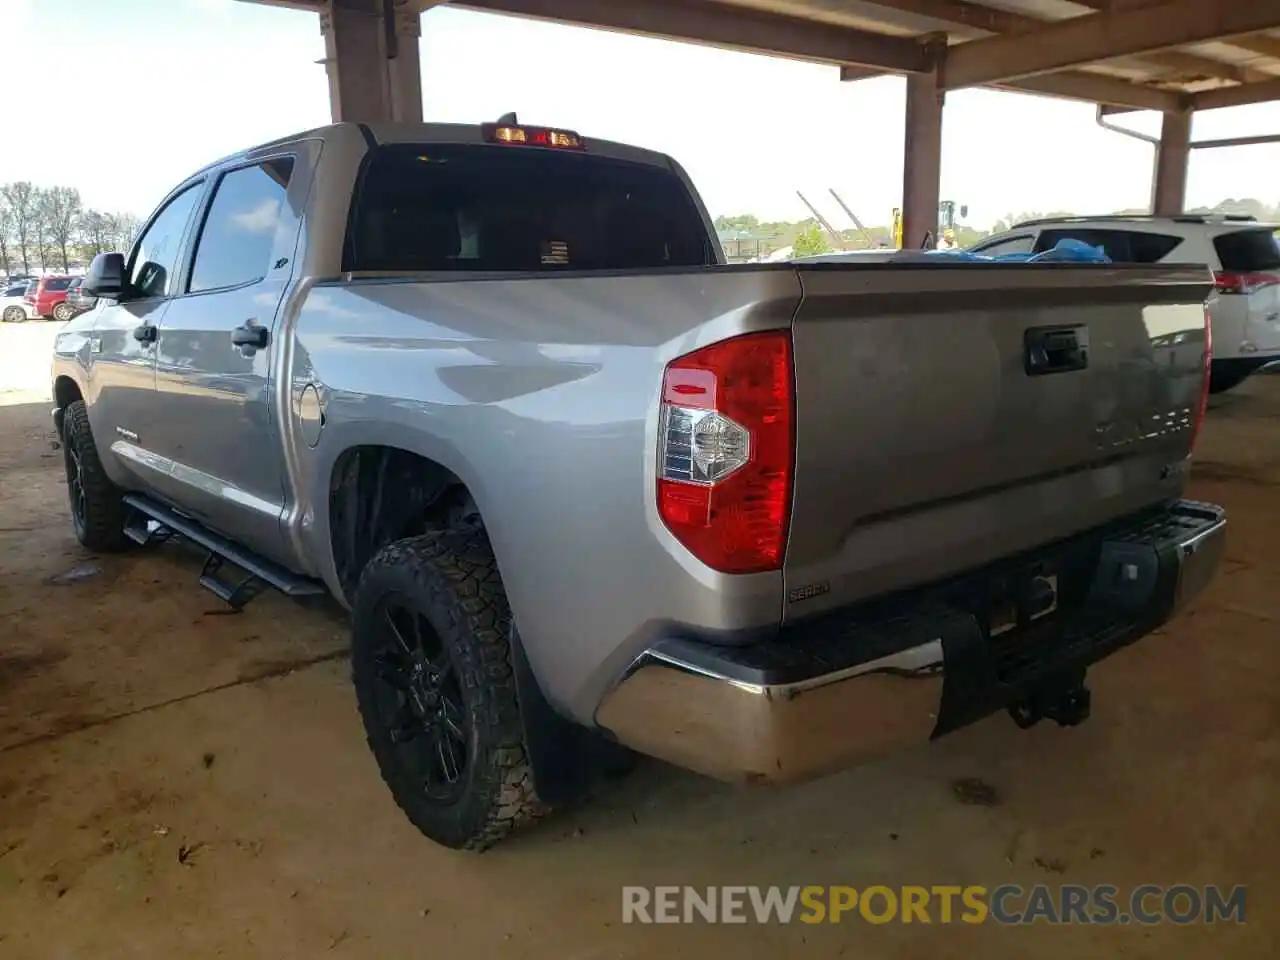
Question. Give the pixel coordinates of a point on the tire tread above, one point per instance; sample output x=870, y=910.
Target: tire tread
x=104, y=502
x=456, y=576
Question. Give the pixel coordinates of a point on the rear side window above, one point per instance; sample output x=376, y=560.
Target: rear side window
x=234, y=247
x=471, y=207
x=57, y=284
x=1246, y=251
x=1019, y=244
x=1121, y=246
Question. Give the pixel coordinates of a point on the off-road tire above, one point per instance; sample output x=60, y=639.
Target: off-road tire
x=452, y=579
x=99, y=525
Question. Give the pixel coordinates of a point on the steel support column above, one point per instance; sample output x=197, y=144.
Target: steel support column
x=1169, y=180
x=405, y=68
x=922, y=154
x=371, y=56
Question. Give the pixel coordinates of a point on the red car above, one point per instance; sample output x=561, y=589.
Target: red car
x=48, y=298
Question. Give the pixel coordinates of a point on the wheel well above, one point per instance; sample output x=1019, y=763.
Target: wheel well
x=65, y=392
x=378, y=495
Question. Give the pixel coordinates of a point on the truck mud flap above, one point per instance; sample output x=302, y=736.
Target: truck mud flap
x=566, y=757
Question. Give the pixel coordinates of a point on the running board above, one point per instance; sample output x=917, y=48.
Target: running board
x=162, y=522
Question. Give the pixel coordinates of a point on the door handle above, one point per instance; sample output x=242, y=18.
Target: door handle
x=146, y=333
x=249, y=334
x=1055, y=349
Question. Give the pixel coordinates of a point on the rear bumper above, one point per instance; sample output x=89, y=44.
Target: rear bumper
x=856, y=684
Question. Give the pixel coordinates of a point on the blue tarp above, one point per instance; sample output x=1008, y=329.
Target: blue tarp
x=1066, y=250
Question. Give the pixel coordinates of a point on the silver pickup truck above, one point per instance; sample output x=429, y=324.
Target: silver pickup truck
x=586, y=489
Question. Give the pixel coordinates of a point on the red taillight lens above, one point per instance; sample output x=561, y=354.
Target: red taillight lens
x=1203, y=403
x=1232, y=282
x=725, y=451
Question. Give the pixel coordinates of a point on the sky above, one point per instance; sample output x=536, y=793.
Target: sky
x=150, y=90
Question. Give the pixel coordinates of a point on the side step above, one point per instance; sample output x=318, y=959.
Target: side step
x=162, y=522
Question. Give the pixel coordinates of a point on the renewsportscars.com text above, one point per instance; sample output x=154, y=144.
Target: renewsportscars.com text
x=1007, y=904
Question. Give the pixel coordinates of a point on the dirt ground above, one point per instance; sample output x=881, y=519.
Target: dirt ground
x=178, y=782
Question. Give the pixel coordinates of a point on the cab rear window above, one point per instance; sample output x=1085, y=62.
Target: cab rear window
x=1245, y=251
x=463, y=207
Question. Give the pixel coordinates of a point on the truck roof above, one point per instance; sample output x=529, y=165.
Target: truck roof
x=378, y=134
x=1205, y=218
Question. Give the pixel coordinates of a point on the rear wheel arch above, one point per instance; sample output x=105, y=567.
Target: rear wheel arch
x=377, y=494
x=415, y=496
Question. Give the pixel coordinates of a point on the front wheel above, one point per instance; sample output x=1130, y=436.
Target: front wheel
x=14, y=315
x=63, y=312
x=97, y=504
x=431, y=662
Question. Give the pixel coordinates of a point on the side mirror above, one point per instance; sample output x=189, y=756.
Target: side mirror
x=105, y=277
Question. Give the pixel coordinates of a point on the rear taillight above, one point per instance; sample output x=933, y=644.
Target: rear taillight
x=725, y=451
x=1233, y=282
x=1203, y=403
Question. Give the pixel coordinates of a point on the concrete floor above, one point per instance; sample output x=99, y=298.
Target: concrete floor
x=177, y=782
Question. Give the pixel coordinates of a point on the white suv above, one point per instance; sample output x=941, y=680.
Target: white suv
x=1243, y=254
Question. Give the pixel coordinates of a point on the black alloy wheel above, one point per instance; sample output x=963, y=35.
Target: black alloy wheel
x=420, y=700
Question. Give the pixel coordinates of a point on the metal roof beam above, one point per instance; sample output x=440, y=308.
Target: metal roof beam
x=1096, y=88
x=1103, y=36
x=1237, y=96
x=737, y=28
x=1074, y=85
x=993, y=20
x=1262, y=44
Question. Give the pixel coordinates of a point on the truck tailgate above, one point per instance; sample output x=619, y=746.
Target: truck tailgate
x=950, y=415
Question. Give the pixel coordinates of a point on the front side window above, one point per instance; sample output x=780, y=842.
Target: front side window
x=155, y=258
x=234, y=247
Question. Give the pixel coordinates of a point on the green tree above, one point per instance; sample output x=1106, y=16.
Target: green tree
x=21, y=199
x=125, y=227
x=810, y=241
x=60, y=210
x=96, y=233
x=6, y=227
x=741, y=221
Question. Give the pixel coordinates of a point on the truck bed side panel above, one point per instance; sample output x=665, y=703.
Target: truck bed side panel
x=542, y=396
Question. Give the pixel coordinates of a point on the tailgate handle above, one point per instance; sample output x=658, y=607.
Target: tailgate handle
x=1056, y=349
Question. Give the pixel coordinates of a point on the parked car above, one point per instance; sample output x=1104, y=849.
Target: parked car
x=583, y=485
x=76, y=299
x=13, y=302
x=1243, y=254
x=48, y=297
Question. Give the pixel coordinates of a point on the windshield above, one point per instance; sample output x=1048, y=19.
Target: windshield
x=494, y=208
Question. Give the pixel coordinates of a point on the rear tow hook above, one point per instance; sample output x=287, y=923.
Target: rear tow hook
x=1068, y=707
